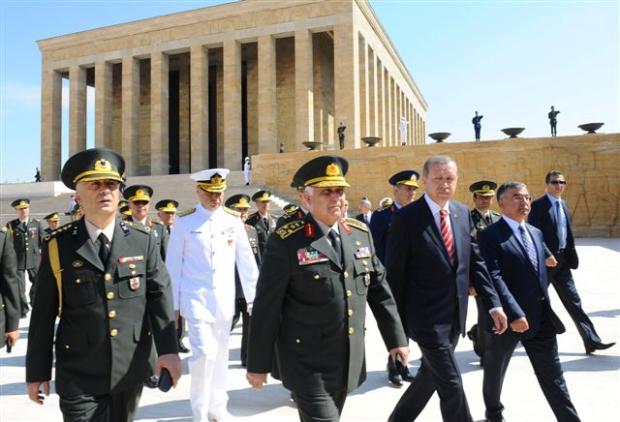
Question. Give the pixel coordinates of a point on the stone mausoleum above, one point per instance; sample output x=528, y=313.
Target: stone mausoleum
x=207, y=87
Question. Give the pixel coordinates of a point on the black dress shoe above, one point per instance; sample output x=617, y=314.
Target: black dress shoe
x=393, y=373
x=598, y=346
x=404, y=372
x=152, y=382
x=182, y=348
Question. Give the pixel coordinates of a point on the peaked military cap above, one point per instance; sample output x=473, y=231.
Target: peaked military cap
x=290, y=209
x=167, y=205
x=21, y=203
x=386, y=202
x=483, y=188
x=125, y=210
x=240, y=200
x=52, y=217
x=93, y=164
x=136, y=193
x=327, y=171
x=405, y=177
x=211, y=180
x=122, y=203
x=262, y=196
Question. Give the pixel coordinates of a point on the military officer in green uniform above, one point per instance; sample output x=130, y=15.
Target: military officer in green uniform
x=105, y=281
x=26, y=234
x=241, y=204
x=53, y=221
x=124, y=210
x=139, y=197
x=317, y=275
x=483, y=216
x=262, y=220
x=298, y=212
x=9, y=292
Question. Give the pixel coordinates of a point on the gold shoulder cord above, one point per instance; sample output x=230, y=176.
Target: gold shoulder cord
x=52, y=247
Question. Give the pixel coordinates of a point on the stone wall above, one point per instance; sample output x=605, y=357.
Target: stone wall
x=590, y=163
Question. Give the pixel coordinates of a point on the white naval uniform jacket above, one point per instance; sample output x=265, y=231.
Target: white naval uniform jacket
x=202, y=251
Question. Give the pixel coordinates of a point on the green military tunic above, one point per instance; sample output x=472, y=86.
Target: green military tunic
x=26, y=242
x=481, y=222
x=313, y=308
x=263, y=228
x=9, y=285
x=110, y=314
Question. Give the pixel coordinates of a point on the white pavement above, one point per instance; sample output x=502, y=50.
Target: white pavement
x=593, y=381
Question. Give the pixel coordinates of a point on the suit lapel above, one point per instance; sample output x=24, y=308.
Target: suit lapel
x=516, y=244
x=86, y=248
x=458, y=236
x=433, y=231
x=321, y=244
x=540, y=253
x=346, y=239
x=552, y=214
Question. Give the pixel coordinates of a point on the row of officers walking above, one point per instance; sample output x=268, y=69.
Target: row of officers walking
x=121, y=287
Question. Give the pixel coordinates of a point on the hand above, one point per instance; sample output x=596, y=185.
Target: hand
x=11, y=337
x=172, y=363
x=256, y=380
x=400, y=353
x=472, y=291
x=34, y=393
x=520, y=325
x=551, y=261
x=500, y=322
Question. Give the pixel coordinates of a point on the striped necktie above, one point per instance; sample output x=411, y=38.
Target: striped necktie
x=529, y=247
x=446, y=233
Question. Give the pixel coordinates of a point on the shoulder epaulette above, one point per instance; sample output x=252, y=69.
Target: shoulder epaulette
x=62, y=229
x=157, y=223
x=496, y=213
x=232, y=212
x=137, y=226
x=187, y=212
x=290, y=228
x=353, y=222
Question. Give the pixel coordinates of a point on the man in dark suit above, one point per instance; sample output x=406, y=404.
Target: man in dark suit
x=431, y=261
x=404, y=186
x=365, y=207
x=550, y=215
x=26, y=234
x=106, y=282
x=262, y=220
x=317, y=275
x=515, y=256
x=9, y=292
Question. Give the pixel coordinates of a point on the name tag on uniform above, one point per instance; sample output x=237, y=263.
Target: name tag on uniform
x=126, y=259
x=306, y=256
x=362, y=252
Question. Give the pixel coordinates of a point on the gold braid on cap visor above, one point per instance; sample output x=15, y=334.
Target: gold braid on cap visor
x=92, y=175
x=327, y=182
x=209, y=187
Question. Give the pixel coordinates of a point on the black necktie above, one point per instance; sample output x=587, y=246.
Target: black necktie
x=104, y=248
x=334, y=238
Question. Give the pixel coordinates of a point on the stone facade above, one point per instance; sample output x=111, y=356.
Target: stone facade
x=589, y=162
x=185, y=91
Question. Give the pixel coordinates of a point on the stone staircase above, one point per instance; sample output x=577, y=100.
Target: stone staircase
x=48, y=197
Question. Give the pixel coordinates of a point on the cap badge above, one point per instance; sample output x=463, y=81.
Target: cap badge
x=216, y=179
x=103, y=164
x=243, y=201
x=332, y=170
x=486, y=188
x=169, y=205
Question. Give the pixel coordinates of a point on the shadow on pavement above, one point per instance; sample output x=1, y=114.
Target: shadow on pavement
x=591, y=363
x=610, y=313
x=179, y=409
x=250, y=402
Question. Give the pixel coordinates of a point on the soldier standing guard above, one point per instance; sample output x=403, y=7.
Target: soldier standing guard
x=105, y=280
x=26, y=233
x=204, y=247
x=241, y=204
x=482, y=216
x=317, y=275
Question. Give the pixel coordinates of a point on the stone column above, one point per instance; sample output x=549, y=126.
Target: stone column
x=364, y=100
x=304, y=89
x=103, y=104
x=77, y=109
x=232, y=105
x=346, y=82
x=381, y=110
x=199, y=94
x=373, y=91
x=159, y=113
x=51, y=113
x=390, y=110
x=131, y=99
x=267, y=130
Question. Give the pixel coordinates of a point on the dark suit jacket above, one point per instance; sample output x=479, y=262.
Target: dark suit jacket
x=9, y=293
x=360, y=218
x=379, y=225
x=314, y=309
x=521, y=287
x=431, y=293
x=542, y=216
x=110, y=313
x=27, y=243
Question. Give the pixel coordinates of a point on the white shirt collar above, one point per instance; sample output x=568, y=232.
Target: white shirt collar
x=325, y=228
x=552, y=198
x=94, y=231
x=435, y=208
x=143, y=221
x=482, y=213
x=514, y=225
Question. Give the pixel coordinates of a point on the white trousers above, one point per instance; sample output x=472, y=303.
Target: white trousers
x=208, y=367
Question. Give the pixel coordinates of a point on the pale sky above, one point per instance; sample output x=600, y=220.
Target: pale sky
x=510, y=60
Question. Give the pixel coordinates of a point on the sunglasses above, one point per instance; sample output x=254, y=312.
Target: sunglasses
x=557, y=182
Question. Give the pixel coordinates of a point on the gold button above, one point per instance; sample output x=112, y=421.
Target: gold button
x=107, y=277
x=365, y=262
x=357, y=243
x=78, y=281
x=133, y=273
x=110, y=295
x=297, y=341
x=132, y=266
x=351, y=330
x=113, y=332
x=316, y=276
x=346, y=274
x=349, y=293
x=350, y=312
x=112, y=313
x=67, y=347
